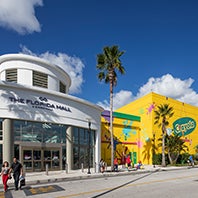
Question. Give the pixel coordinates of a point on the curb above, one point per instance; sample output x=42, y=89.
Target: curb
x=101, y=175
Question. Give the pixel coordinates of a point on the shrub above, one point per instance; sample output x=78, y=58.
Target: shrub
x=183, y=158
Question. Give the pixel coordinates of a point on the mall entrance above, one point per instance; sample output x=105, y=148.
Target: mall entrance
x=39, y=158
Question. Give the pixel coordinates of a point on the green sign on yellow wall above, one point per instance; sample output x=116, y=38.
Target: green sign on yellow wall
x=184, y=126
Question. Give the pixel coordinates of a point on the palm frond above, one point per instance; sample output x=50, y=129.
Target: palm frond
x=109, y=63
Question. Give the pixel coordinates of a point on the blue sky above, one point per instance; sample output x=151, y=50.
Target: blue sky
x=159, y=37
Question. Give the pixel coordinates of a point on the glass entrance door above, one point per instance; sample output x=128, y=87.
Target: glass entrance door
x=27, y=159
x=32, y=159
x=36, y=159
x=52, y=158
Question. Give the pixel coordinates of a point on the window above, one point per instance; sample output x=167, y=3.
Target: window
x=26, y=131
x=40, y=79
x=81, y=147
x=11, y=75
x=62, y=87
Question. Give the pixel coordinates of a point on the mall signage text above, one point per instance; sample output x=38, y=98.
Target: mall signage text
x=40, y=103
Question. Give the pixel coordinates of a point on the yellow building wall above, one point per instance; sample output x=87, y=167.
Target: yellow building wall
x=144, y=107
x=126, y=133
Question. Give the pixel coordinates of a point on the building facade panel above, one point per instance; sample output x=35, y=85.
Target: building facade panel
x=126, y=132
x=41, y=126
x=184, y=114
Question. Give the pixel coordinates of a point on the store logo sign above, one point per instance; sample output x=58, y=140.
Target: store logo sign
x=40, y=103
x=184, y=126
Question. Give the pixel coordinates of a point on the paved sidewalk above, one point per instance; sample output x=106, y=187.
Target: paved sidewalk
x=33, y=178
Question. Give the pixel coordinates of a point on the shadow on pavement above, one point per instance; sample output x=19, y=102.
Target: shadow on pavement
x=113, y=189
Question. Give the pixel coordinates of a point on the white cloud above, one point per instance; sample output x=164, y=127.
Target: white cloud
x=166, y=85
x=171, y=87
x=72, y=65
x=104, y=104
x=119, y=99
x=19, y=15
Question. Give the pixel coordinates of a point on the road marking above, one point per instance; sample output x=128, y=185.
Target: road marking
x=6, y=194
x=2, y=194
x=41, y=190
x=126, y=186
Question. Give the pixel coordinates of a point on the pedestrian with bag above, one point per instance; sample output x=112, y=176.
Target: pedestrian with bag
x=21, y=181
x=102, y=166
x=17, y=170
x=5, y=174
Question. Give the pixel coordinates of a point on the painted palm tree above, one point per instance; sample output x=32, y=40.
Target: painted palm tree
x=162, y=114
x=108, y=63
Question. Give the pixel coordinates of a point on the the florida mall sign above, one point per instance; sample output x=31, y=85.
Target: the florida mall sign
x=40, y=103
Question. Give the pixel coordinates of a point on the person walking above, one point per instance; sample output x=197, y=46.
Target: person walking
x=191, y=161
x=128, y=162
x=102, y=166
x=17, y=170
x=116, y=164
x=5, y=174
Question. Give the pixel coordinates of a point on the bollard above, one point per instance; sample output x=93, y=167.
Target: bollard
x=105, y=166
x=95, y=167
x=66, y=167
x=24, y=170
x=46, y=169
x=82, y=168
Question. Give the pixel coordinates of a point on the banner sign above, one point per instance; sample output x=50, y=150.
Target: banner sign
x=184, y=126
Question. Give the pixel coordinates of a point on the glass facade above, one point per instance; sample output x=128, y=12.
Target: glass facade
x=26, y=131
x=42, y=144
x=82, y=147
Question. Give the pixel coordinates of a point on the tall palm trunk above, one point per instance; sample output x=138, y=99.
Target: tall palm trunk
x=108, y=63
x=164, y=112
x=163, y=141
x=111, y=124
x=163, y=150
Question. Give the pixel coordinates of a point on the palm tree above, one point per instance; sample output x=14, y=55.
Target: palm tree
x=174, y=146
x=162, y=114
x=108, y=63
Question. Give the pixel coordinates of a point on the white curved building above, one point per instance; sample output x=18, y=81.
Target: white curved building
x=40, y=123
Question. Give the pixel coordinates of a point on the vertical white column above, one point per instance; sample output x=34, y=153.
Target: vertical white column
x=69, y=149
x=8, y=140
x=98, y=148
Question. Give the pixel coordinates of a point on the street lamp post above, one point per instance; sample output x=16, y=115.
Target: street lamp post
x=89, y=134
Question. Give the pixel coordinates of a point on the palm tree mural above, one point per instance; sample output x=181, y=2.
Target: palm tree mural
x=108, y=63
x=162, y=114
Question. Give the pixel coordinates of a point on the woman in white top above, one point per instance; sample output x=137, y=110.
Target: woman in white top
x=5, y=174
